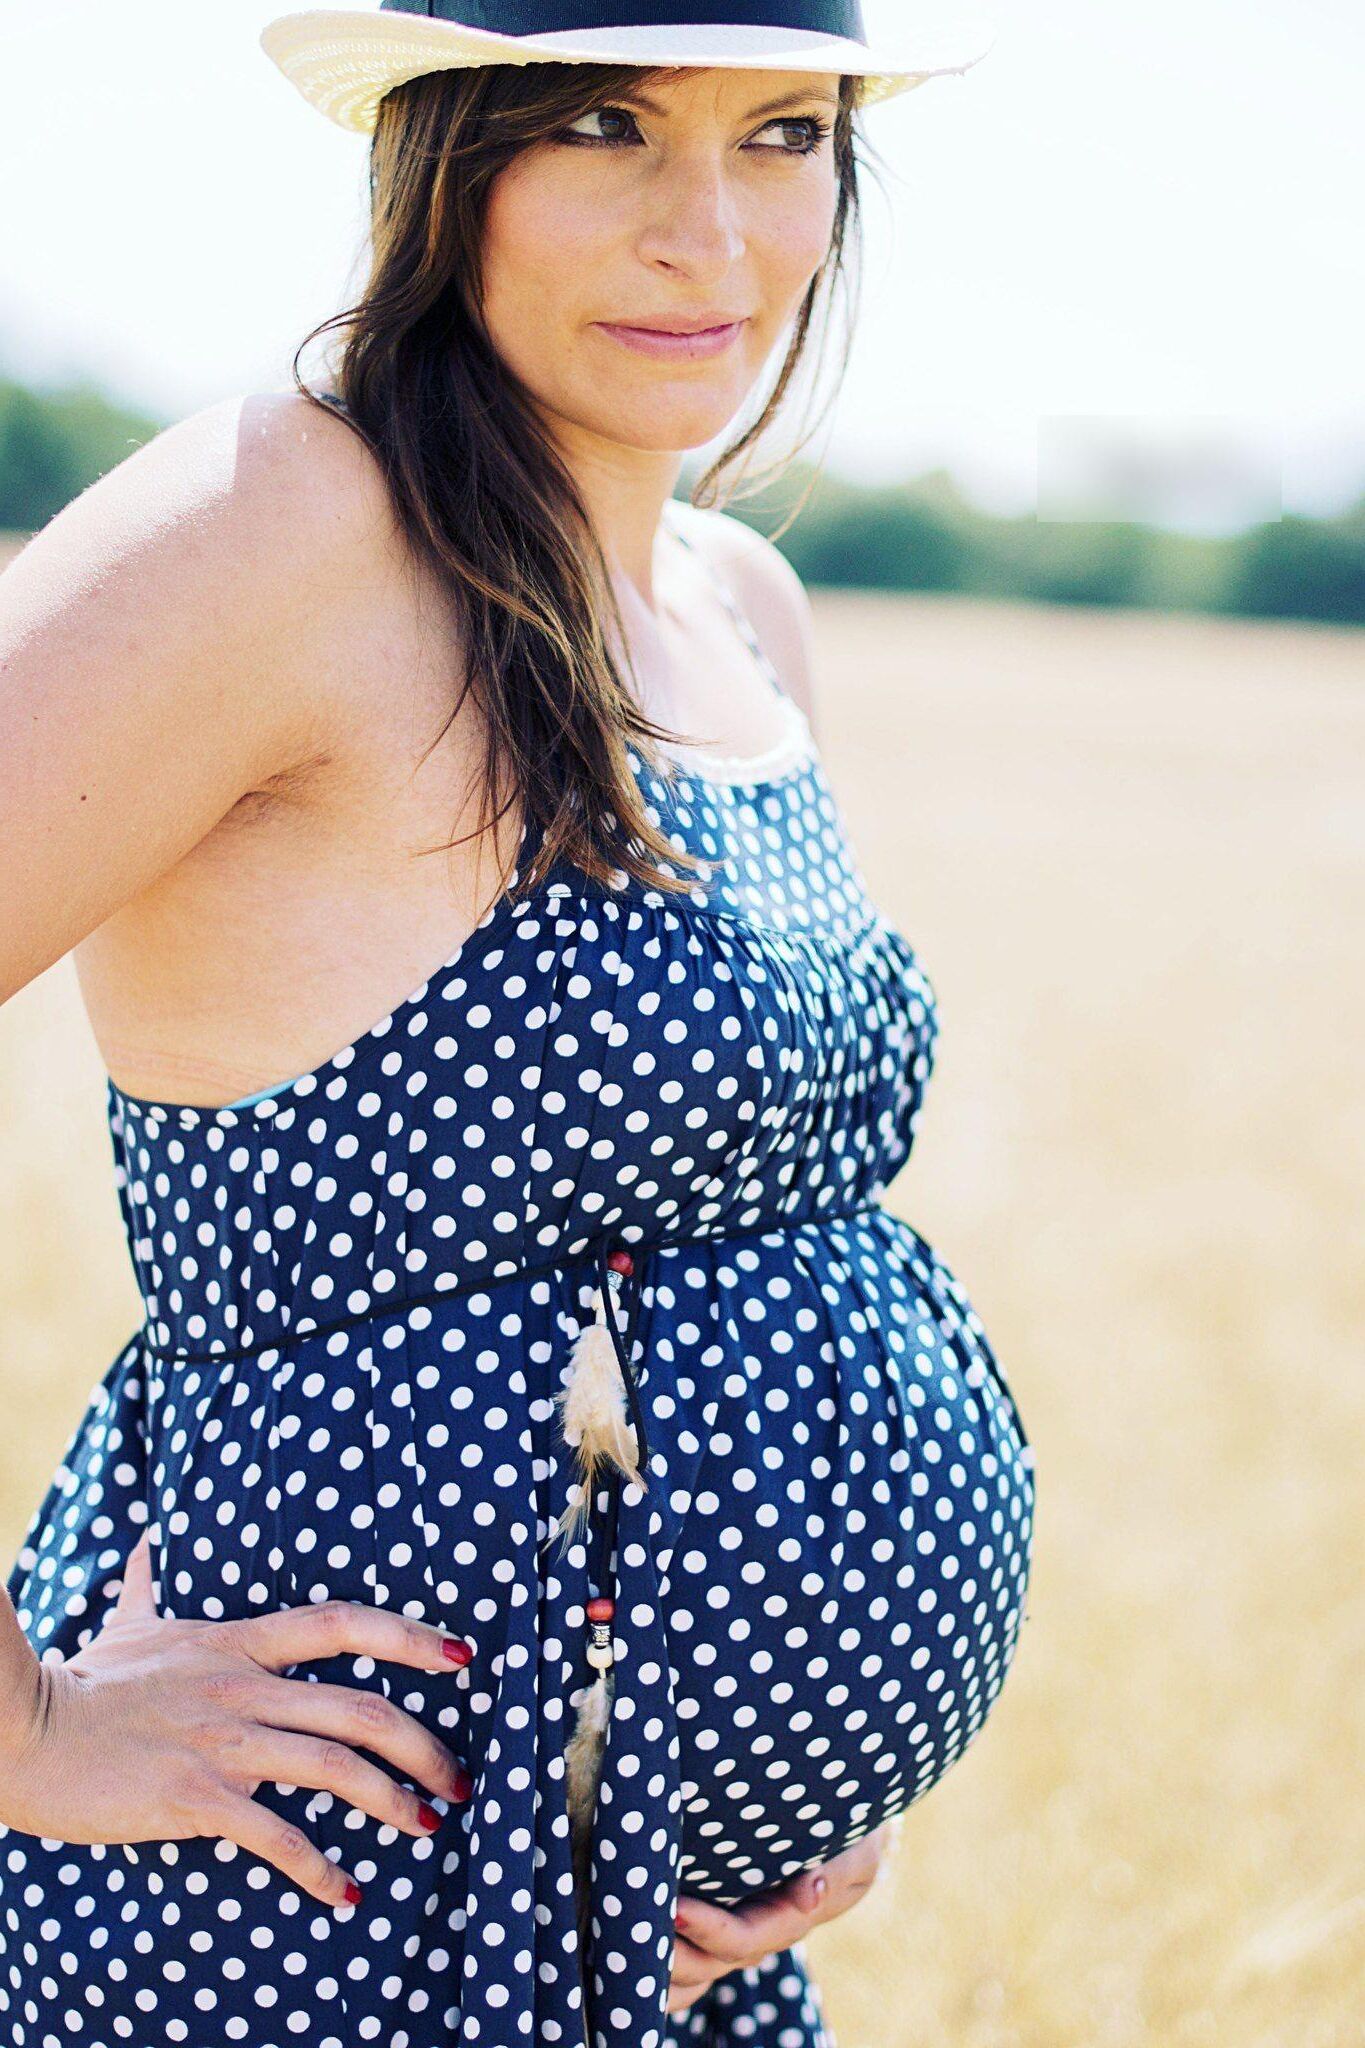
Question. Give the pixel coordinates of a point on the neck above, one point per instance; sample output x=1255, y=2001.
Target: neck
x=625, y=491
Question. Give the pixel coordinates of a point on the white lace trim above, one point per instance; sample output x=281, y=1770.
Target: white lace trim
x=796, y=745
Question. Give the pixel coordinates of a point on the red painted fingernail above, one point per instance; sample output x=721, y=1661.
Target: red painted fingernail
x=458, y=1652
x=464, y=1784
x=428, y=1815
x=353, y=1893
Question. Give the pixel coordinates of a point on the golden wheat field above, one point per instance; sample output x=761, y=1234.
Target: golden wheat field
x=1130, y=849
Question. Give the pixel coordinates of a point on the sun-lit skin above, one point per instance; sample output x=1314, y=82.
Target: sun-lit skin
x=694, y=202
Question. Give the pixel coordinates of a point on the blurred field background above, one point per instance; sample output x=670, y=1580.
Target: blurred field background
x=1130, y=848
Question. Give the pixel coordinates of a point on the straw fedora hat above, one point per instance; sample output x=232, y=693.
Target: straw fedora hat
x=343, y=60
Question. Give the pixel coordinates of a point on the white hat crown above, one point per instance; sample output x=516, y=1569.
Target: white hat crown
x=343, y=61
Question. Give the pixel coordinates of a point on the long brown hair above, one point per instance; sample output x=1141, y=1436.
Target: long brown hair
x=478, y=487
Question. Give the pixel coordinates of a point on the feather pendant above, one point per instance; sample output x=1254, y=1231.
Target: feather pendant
x=583, y=1769
x=594, y=1416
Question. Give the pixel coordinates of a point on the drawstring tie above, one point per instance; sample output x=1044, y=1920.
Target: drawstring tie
x=599, y=1406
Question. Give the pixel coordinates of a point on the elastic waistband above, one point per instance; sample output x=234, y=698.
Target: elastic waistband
x=638, y=1247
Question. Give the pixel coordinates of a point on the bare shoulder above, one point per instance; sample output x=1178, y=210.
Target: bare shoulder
x=285, y=510
x=304, y=463
x=216, y=539
x=169, y=617
x=769, y=590
x=297, y=487
x=257, y=465
x=290, y=482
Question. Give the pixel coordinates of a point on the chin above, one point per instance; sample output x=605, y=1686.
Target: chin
x=663, y=421
x=663, y=440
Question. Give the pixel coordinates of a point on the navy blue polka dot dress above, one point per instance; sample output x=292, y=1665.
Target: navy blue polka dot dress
x=363, y=1289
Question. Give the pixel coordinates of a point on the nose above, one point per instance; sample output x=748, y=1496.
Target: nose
x=693, y=219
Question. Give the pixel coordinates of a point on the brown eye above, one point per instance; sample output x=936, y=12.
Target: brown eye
x=809, y=127
x=606, y=114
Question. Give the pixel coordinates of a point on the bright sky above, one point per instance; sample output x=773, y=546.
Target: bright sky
x=1122, y=223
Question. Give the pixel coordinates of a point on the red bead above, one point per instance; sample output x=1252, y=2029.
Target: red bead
x=621, y=1262
x=603, y=1608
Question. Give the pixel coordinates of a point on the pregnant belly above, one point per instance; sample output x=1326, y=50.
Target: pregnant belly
x=847, y=1493
x=838, y=1524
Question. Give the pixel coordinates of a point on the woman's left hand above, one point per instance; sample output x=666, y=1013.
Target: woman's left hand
x=714, y=1940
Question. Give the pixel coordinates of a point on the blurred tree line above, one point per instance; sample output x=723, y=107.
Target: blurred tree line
x=924, y=535
x=920, y=535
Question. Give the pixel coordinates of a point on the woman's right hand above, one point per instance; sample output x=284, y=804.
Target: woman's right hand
x=163, y=1729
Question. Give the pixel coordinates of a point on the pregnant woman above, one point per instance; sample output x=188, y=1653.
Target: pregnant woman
x=548, y=1491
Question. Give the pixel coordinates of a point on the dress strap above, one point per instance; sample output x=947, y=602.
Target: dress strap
x=732, y=606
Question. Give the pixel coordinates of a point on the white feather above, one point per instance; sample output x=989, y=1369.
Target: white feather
x=583, y=1770
x=595, y=1418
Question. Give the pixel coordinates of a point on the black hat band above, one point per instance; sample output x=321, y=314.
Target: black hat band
x=551, y=17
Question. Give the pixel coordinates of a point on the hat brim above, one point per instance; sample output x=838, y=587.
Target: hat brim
x=344, y=60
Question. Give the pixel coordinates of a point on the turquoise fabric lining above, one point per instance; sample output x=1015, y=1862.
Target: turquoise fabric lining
x=247, y=1100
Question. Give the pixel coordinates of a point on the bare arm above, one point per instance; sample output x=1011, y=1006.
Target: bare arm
x=19, y=1677
x=146, y=684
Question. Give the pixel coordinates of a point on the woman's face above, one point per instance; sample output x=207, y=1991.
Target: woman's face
x=691, y=200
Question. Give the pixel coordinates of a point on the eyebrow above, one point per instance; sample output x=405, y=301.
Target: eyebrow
x=787, y=99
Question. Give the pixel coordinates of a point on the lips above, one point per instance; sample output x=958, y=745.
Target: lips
x=674, y=345
x=700, y=323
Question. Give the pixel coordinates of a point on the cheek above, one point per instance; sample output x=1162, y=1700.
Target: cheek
x=811, y=232
x=793, y=241
x=538, y=247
